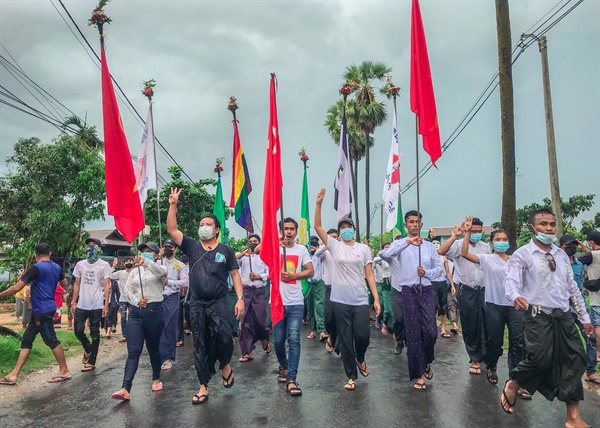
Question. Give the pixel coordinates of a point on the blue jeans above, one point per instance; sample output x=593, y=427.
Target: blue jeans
x=123, y=306
x=289, y=328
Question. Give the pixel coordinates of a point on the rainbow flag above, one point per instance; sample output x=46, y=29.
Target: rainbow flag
x=240, y=186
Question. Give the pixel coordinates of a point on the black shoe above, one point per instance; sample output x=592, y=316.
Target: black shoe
x=398, y=350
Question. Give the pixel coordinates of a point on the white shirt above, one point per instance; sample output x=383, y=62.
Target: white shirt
x=383, y=267
x=530, y=277
x=91, y=286
x=377, y=271
x=258, y=267
x=494, y=271
x=177, y=275
x=323, y=254
x=441, y=278
x=296, y=257
x=318, y=267
x=121, y=277
x=465, y=272
x=152, y=280
x=348, y=284
x=407, y=257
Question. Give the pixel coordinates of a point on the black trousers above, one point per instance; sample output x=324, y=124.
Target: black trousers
x=496, y=318
x=554, y=360
x=398, y=317
x=213, y=336
x=440, y=295
x=471, y=303
x=95, y=316
x=354, y=332
x=330, y=326
x=184, y=315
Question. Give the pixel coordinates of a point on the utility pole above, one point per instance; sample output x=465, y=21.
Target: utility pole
x=554, y=188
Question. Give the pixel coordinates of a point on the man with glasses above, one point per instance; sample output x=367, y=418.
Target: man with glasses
x=540, y=282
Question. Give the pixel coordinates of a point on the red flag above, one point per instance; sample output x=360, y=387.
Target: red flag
x=121, y=190
x=270, y=250
x=422, y=98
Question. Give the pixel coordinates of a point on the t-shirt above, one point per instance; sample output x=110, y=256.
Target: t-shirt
x=348, y=284
x=208, y=269
x=42, y=278
x=58, y=296
x=494, y=272
x=91, y=286
x=296, y=257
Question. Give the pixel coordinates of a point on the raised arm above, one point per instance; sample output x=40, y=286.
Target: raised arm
x=464, y=249
x=172, y=228
x=317, y=223
x=457, y=231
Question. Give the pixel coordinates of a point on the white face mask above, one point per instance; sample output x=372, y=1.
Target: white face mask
x=205, y=233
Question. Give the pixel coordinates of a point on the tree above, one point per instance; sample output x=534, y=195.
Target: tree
x=356, y=144
x=368, y=114
x=509, y=186
x=49, y=194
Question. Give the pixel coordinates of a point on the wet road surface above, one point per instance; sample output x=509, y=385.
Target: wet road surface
x=384, y=399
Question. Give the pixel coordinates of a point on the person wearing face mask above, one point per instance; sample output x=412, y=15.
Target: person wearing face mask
x=471, y=288
x=315, y=296
x=91, y=293
x=144, y=290
x=591, y=259
x=328, y=317
x=570, y=246
x=418, y=265
x=499, y=312
x=121, y=277
x=352, y=263
x=540, y=282
x=211, y=264
x=177, y=278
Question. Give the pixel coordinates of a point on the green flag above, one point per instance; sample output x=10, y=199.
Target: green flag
x=219, y=213
x=399, y=227
x=304, y=232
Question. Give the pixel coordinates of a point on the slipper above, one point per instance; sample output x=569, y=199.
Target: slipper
x=157, y=387
x=323, y=337
x=88, y=368
x=428, y=372
x=58, y=379
x=365, y=371
x=510, y=405
x=123, y=339
x=492, y=377
x=245, y=359
x=86, y=357
x=179, y=344
x=595, y=380
x=453, y=330
x=295, y=390
x=199, y=399
x=445, y=335
x=311, y=336
x=166, y=365
x=119, y=396
x=475, y=370
x=329, y=345
x=524, y=394
x=282, y=377
x=267, y=349
x=420, y=386
x=229, y=380
x=5, y=381
x=350, y=385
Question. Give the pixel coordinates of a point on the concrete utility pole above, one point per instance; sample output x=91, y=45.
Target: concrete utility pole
x=554, y=188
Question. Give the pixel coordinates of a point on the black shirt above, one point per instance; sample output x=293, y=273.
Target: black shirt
x=208, y=269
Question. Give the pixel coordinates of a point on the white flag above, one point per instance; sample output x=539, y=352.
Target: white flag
x=391, y=185
x=145, y=169
x=343, y=192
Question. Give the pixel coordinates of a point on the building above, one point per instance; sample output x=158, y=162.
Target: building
x=113, y=243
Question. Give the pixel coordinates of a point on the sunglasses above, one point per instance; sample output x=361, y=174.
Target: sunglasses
x=551, y=261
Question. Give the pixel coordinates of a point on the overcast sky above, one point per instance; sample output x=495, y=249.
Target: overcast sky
x=202, y=52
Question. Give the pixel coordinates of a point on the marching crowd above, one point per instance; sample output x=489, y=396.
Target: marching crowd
x=536, y=293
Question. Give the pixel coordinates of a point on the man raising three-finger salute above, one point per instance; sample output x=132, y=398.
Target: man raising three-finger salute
x=210, y=265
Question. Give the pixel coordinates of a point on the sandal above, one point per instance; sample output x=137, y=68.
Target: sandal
x=524, y=394
x=245, y=359
x=88, y=368
x=594, y=380
x=157, y=387
x=199, y=399
x=58, y=379
x=295, y=390
x=505, y=397
x=323, y=337
x=365, y=371
x=312, y=335
x=282, y=377
x=86, y=357
x=350, y=385
x=228, y=382
x=166, y=365
x=492, y=376
x=454, y=330
x=329, y=345
x=267, y=348
x=120, y=396
x=179, y=344
x=123, y=339
x=445, y=335
x=420, y=386
x=475, y=370
x=428, y=372
x=5, y=381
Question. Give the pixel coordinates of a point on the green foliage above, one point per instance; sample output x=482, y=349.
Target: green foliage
x=238, y=244
x=375, y=243
x=589, y=225
x=333, y=125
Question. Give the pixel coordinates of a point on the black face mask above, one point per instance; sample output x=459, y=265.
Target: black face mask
x=128, y=265
x=570, y=251
x=168, y=253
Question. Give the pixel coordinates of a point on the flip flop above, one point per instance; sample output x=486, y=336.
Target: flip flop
x=445, y=335
x=475, y=370
x=595, y=381
x=123, y=339
x=199, y=399
x=157, y=387
x=329, y=346
x=523, y=394
x=510, y=405
x=86, y=357
x=166, y=365
x=365, y=371
x=428, y=372
x=311, y=336
x=492, y=377
x=58, y=379
x=245, y=359
x=5, y=381
x=229, y=381
x=179, y=344
x=420, y=386
x=350, y=385
x=323, y=337
x=267, y=349
x=88, y=368
x=119, y=396
x=453, y=330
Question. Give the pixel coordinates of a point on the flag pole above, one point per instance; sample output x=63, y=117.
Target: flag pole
x=418, y=194
x=149, y=93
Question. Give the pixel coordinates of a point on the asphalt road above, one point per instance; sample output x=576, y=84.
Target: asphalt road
x=384, y=399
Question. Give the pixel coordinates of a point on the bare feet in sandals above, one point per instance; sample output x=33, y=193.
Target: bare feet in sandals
x=201, y=396
x=122, y=394
x=509, y=396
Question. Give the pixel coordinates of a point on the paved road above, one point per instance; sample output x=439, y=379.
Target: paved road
x=384, y=399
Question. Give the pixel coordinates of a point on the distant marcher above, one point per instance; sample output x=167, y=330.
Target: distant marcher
x=121, y=277
x=58, y=299
x=592, y=261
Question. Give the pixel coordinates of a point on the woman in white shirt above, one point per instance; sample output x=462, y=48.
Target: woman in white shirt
x=352, y=263
x=145, y=323
x=499, y=312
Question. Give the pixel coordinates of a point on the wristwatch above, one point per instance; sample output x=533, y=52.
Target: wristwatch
x=240, y=297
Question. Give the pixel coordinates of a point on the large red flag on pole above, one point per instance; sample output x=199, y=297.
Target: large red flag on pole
x=270, y=253
x=422, y=98
x=122, y=194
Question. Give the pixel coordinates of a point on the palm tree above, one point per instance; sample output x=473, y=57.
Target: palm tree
x=368, y=113
x=79, y=129
x=356, y=144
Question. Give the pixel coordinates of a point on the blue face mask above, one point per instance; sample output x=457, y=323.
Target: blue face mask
x=476, y=237
x=501, y=247
x=347, y=234
x=545, y=238
x=148, y=256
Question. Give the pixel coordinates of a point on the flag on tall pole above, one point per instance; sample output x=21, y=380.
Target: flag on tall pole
x=422, y=98
x=391, y=185
x=270, y=253
x=145, y=168
x=240, y=186
x=343, y=192
x=219, y=205
x=304, y=231
x=122, y=194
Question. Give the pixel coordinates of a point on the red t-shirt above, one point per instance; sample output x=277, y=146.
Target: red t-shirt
x=58, y=296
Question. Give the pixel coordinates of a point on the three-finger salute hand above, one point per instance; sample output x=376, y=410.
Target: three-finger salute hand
x=174, y=195
x=320, y=196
